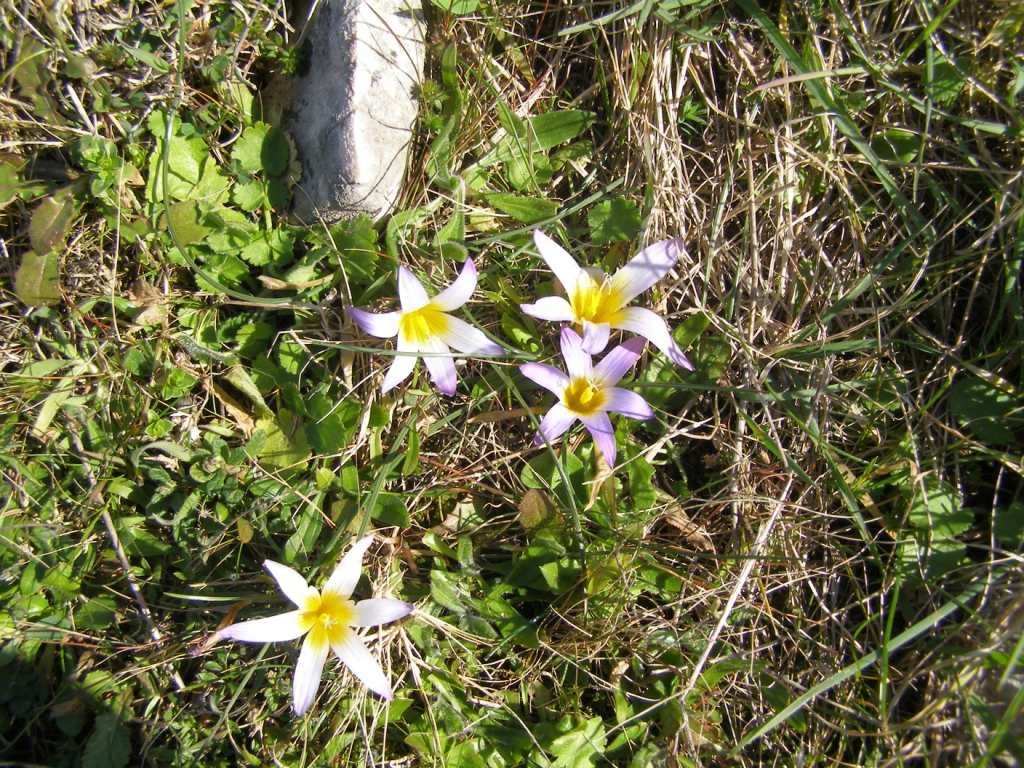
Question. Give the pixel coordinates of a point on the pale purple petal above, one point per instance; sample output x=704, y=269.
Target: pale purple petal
x=627, y=403
x=553, y=425
x=273, y=629
x=553, y=308
x=357, y=657
x=595, y=337
x=469, y=340
x=617, y=363
x=547, y=376
x=307, y=673
x=458, y=293
x=383, y=325
x=600, y=428
x=647, y=268
x=558, y=260
x=440, y=365
x=577, y=361
x=346, y=573
x=401, y=365
x=645, y=323
x=411, y=293
x=380, y=610
x=290, y=581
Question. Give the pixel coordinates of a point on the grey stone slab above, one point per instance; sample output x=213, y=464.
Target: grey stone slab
x=352, y=111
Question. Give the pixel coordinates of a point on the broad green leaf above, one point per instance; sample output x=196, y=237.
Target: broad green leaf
x=445, y=591
x=110, y=744
x=51, y=221
x=946, y=82
x=390, y=510
x=262, y=148
x=528, y=210
x=896, y=145
x=535, y=509
x=307, y=531
x=1008, y=526
x=185, y=219
x=580, y=747
x=457, y=7
x=10, y=181
x=281, y=441
x=250, y=195
x=983, y=410
x=37, y=281
x=614, y=220
x=97, y=613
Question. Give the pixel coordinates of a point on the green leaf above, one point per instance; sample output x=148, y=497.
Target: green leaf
x=10, y=181
x=51, y=221
x=896, y=145
x=528, y=210
x=466, y=754
x=110, y=744
x=390, y=510
x=96, y=614
x=579, y=747
x=185, y=220
x=1008, y=526
x=281, y=441
x=946, y=82
x=307, y=531
x=178, y=383
x=37, y=281
x=262, y=148
x=250, y=195
x=986, y=412
x=445, y=591
x=273, y=246
x=457, y=7
x=535, y=509
x=614, y=220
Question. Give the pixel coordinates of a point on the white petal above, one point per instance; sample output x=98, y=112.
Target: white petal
x=290, y=581
x=380, y=610
x=410, y=291
x=553, y=308
x=355, y=655
x=558, y=260
x=553, y=426
x=273, y=629
x=469, y=340
x=383, y=325
x=595, y=337
x=617, y=363
x=552, y=379
x=577, y=362
x=401, y=365
x=346, y=574
x=458, y=293
x=647, y=268
x=441, y=365
x=645, y=323
x=600, y=428
x=627, y=403
x=307, y=674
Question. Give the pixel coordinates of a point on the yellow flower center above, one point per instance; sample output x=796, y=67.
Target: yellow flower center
x=583, y=397
x=594, y=301
x=326, y=617
x=425, y=323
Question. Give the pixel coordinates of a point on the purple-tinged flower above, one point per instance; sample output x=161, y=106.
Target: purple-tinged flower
x=425, y=329
x=598, y=302
x=588, y=393
x=327, y=618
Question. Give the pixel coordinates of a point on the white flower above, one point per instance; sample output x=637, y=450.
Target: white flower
x=588, y=393
x=327, y=618
x=424, y=327
x=598, y=303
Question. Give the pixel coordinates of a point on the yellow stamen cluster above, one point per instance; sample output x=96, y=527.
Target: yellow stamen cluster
x=326, y=616
x=594, y=301
x=583, y=396
x=423, y=324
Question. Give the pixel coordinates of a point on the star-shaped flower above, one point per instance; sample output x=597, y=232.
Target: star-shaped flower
x=598, y=303
x=588, y=393
x=425, y=329
x=327, y=618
